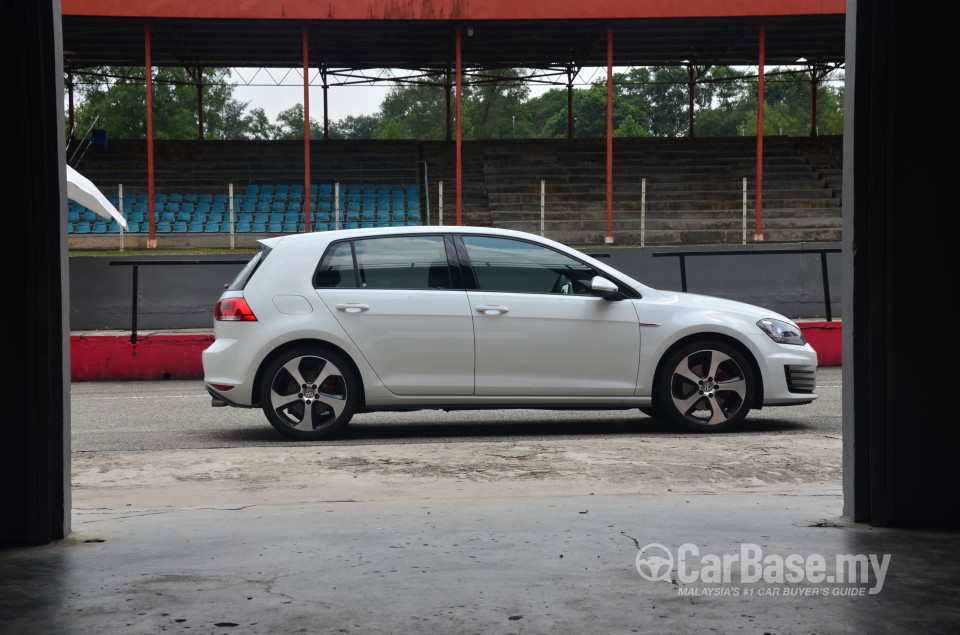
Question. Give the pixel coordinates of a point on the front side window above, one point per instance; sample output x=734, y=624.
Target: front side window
x=395, y=262
x=516, y=266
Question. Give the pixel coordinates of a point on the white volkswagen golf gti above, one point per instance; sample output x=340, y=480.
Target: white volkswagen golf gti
x=318, y=327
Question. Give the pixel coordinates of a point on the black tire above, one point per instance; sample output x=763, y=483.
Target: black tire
x=650, y=411
x=705, y=386
x=309, y=393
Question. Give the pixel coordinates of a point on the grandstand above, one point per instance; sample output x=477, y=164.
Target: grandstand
x=692, y=194
x=653, y=191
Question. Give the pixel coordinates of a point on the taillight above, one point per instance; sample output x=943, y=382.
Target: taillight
x=233, y=310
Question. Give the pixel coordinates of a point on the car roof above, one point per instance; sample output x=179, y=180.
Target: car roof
x=371, y=232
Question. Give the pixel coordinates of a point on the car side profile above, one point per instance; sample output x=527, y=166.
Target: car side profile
x=318, y=327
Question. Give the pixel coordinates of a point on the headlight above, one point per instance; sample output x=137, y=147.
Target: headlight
x=782, y=332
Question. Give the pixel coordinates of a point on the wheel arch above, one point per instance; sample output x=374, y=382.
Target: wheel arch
x=298, y=343
x=713, y=337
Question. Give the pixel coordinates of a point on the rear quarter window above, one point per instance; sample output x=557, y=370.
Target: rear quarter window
x=248, y=270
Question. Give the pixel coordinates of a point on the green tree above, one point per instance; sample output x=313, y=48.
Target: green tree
x=289, y=125
x=412, y=111
x=116, y=99
x=492, y=107
x=355, y=127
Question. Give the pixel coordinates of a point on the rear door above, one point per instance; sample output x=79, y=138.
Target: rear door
x=394, y=297
x=538, y=329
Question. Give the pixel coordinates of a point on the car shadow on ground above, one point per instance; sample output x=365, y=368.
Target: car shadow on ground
x=476, y=426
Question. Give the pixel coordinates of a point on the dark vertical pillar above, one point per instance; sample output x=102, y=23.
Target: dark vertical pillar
x=326, y=104
x=34, y=440
x=899, y=432
x=570, y=75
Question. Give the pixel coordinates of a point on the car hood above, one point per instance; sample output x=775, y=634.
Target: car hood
x=713, y=303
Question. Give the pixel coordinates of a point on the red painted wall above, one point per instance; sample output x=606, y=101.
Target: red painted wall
x=114, y=358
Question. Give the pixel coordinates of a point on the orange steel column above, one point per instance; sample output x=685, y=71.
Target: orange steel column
x=608, y=239
x=151, y=211
x=758, y=231
x=459, y=128
x=306, y=131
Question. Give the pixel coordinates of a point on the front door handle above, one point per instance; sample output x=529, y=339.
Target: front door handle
x=491, y=309
x=353, y=307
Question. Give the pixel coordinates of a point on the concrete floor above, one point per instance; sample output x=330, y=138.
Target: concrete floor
x=554, y=564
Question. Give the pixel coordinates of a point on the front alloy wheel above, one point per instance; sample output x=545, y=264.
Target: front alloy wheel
x=706, y=387
x=309, y=393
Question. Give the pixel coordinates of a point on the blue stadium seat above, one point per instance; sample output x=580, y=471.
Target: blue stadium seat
x=82, y=227
x=275, y=227
x=180, y=226
x=290, y=227
x=196, y=226
x=211, y=227
x=163, y=227
x=243, y=226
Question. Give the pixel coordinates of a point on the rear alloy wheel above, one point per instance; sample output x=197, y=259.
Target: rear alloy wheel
x=309, y=393
x=706, y=387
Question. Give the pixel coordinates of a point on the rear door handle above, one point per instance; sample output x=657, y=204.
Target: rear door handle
x=353, y=307
x=491, y=309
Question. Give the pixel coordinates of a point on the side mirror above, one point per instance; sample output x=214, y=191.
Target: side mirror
x=604, y=288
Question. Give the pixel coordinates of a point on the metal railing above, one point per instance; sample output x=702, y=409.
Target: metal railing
x=136, y=264
x=822, y=251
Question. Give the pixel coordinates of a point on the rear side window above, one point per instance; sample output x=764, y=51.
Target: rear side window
x=394, y=262
x=248, y=270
